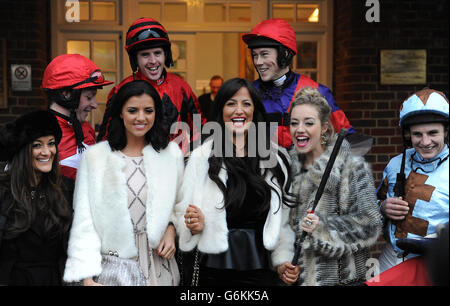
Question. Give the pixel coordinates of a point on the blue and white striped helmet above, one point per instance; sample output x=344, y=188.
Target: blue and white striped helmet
x=424, y=106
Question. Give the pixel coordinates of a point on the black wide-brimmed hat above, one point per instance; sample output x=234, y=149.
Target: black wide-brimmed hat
x=25, y=129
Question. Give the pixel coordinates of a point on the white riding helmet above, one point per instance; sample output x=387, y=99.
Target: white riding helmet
x=424, y=106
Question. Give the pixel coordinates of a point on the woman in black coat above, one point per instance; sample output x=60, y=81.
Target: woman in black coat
x=35, y=216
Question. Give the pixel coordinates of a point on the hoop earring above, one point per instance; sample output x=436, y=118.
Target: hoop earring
x=323, y=140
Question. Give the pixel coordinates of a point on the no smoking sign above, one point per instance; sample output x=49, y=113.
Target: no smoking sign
x=21, y=77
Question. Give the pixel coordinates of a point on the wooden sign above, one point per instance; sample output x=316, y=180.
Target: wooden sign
x=403, y=67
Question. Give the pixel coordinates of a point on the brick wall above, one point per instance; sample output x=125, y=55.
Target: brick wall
x=373, y=108
x=25, y=25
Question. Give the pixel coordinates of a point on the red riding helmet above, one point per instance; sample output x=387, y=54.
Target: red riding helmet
x=269, y=33
x=74, y=71
x=147, y=33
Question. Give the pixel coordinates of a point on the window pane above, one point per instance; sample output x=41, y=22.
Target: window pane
x=307, y=13
x=71, y=9
x=283, y=11
x=214, y=12
x=84, y=10
x=175, y=12
x=78, y=46
x=240, y=12
x=307, y=54
x=152, y=10
x=102, y=10
x=105, y=54
x=179, y=54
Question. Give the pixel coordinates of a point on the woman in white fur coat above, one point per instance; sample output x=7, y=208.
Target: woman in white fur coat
x=233, y=197
x=346, y=221
x=125, y=191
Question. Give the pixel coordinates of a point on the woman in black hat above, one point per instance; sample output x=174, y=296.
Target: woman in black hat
x=35, y=217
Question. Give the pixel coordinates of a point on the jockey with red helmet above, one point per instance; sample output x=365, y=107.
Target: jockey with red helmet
x=71, y=82
x=149, y=50
x=273, y=45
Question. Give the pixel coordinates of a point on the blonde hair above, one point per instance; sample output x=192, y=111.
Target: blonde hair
x=311, y=96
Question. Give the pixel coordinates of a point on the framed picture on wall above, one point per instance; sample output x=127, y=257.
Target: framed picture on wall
x=403, y=67
x=3, y=73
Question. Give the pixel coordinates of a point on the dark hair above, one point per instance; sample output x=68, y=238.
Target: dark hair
x=284, y=56
x=243, y=172
x=157, y=136
x=216, y=77
x=27, y=199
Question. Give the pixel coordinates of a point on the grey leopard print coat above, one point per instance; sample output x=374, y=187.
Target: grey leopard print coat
x=350, y=223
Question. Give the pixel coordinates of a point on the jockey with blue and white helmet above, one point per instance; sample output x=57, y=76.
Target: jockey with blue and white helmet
x=414, y=192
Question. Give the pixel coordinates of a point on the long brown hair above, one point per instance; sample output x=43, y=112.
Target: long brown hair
x=28, y=198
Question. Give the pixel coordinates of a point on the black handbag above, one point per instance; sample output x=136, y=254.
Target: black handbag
x=188, y=264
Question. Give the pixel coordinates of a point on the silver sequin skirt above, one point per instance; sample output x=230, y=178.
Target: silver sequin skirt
x=118, y=271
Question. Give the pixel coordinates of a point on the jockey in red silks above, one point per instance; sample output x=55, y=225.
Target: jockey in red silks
x=148, y=47
x=71, y=82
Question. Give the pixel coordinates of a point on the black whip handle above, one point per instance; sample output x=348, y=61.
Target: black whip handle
x=319, y=192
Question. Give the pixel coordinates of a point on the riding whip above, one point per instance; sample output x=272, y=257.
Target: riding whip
x=319, y=192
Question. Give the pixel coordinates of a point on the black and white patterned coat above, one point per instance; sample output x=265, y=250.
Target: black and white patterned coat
x=350, y=222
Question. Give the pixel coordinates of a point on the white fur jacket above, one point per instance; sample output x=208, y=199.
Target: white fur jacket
x=350, y=222
x=198, y=189
x=102, y=221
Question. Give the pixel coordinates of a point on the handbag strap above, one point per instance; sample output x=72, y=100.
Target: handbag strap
x=179, y=259
x=196, y=274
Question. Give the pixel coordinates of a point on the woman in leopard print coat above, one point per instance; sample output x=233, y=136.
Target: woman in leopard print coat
x=346, y=221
